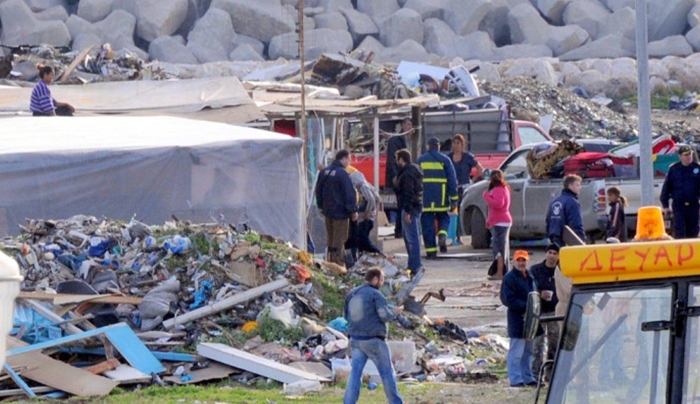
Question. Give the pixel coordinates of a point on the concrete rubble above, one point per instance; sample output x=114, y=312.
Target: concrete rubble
x=209, y=301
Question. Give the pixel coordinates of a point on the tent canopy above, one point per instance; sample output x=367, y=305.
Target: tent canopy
x=151, y=167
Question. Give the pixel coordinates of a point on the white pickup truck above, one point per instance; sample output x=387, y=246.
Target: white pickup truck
x=530, y=199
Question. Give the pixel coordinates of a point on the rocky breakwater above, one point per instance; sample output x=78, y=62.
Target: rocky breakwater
x=575, y=43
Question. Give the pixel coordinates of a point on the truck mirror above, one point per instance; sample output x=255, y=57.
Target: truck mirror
x=486, y=173
x=572, y=328
x=532, y=315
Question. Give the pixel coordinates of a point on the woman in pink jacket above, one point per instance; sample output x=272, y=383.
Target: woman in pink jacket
x=499, y=219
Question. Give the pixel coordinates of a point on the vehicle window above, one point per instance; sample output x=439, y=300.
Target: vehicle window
x=530, y=135
x=611, y=359
x=691, y=384
x=515, y=166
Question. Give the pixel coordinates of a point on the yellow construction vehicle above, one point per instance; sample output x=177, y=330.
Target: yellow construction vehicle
x=632, y=325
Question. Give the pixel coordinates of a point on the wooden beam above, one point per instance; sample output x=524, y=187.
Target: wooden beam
x=227, y=303
x=67, y=298
x=109, y=364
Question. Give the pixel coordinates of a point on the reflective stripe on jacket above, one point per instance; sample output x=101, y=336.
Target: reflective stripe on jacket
x=439, y=181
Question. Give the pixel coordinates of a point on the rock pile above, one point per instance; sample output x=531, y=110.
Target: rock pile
x=202, y=31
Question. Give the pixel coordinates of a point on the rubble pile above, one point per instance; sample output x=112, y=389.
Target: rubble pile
x=574, y=116
x=216, y=290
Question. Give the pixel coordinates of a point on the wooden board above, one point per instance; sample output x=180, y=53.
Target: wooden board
x=78, y=59
x=254, y=364
x=45, y=370
x=125, y=374
x=66, y=298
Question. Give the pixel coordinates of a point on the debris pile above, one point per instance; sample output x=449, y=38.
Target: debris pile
x=184, y=303
x=574, y=116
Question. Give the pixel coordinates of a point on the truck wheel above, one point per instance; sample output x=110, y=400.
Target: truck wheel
x=480, y=234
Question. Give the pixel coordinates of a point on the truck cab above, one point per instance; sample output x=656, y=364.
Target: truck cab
x=631, y=329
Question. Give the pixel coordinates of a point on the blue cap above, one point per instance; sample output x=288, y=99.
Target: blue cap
x=433, y=141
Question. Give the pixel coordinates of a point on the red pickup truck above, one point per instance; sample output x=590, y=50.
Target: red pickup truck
x=489, y=137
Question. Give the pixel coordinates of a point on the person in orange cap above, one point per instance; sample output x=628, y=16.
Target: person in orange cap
x=517, y=284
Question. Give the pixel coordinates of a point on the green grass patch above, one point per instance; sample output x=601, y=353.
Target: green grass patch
x=659, y=99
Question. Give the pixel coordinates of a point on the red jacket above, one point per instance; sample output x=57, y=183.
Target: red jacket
x=498, y=200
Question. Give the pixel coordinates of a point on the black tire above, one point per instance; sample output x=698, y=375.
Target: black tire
x=480, y=234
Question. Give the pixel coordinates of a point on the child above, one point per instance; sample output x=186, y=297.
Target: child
x=617, y=227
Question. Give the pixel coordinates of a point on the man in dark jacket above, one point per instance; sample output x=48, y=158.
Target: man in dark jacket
x=543, y=274
x=337, y=199
x=367, y=313
x=517, y=284
x=682, y=184
x=409, y=183
x=396, y=142
x=565, y=210
x=439, y=198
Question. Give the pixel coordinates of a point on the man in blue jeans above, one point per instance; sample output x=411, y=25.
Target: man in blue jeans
x=409, y=183
x=517, y=284
x=367, y=314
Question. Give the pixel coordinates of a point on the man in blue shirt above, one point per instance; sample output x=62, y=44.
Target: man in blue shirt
x=367, y=313
x=682, y=184
x=565, y=210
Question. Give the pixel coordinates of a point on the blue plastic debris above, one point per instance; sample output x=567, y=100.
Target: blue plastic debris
x=201, y=295
x=99, y=246
x=178, y=244
x=339, y=324
x=186, y=378
x=72, y=261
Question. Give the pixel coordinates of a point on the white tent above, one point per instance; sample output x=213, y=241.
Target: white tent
x=154, y=167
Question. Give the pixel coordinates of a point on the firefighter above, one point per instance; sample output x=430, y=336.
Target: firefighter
x=439, y=196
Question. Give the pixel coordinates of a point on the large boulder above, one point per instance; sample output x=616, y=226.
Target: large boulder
x=246, y=52
x=496, y=20
x=377, y=9
x=683, y=70
x=170, y=50
x=527, y=27
x=694, y=15
x=622, y=22
x=157, y=18
x=466, y=19
x=553, y=10
x=94, y=10
x=118, y=24
x=611, y=46
x=56, y=13
x=332, y=20
x=371, y=44
x=407, y=50
x=439, y=38
x=540, y=69
x=317, y=42
x=335, y=5
x=426, y=8
x=360, y=25
x=668, y=18
x=615, y=5
x=593, y=81
x=262, y=19
x=210, y=39
x=587, y=14
x=477, y=46
x=239, y=40
x=86, y=40
x=657, y=69
x=41, y=5
x=400, y=26
x=693, y=38
x=78, y=26
x=127, y=5
x=675, y=45
x=20, y=26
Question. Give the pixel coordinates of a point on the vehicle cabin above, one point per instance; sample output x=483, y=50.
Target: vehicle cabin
x=632, y=325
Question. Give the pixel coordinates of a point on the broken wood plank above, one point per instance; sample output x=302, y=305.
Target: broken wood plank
x=214, y=371
x=78, y=59
x=109, y=364
x=125, y=374
x=66, y=298
x=225, y=304
x=163, y=356
x=254, y=364
x=59, y=375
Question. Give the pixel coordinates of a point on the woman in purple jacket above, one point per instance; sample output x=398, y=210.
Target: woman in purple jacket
x=499, y=220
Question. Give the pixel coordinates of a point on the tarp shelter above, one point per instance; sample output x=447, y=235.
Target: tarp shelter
x=152, y=167
x=219, y=99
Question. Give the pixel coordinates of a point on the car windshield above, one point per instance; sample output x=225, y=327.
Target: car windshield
x=604, y=355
